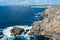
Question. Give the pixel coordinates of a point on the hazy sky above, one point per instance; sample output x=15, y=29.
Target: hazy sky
x=29, y=2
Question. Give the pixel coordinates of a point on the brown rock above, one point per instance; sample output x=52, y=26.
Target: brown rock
x=17, y=31
x=31, y=33
x=50, y=26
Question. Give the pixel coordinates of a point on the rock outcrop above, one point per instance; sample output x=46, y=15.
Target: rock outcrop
x=50, y=25
x=17, y=31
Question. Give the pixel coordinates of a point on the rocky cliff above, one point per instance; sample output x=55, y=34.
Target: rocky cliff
x=50, y=25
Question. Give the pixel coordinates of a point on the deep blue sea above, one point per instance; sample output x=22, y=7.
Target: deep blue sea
x=15, y=15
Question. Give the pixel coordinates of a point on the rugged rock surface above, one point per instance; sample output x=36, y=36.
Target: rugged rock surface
x=17, y=31
x=50, y=26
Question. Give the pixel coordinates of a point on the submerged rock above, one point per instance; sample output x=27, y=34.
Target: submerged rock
x=17, y=31
x=38, y=37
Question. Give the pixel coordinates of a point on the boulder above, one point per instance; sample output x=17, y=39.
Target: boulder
x=17, y=31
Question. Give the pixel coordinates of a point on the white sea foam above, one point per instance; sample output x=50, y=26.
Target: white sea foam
x=7, y=32
x=8, y=35
x=4, y=38
x=52, y=38
x=23, y=36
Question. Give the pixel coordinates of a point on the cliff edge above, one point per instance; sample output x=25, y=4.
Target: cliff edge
x=50, y=25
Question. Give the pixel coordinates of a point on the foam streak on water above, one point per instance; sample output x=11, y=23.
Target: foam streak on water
x=7, y=33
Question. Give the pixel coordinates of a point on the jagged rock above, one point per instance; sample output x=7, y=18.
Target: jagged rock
x=17, y=31
x=26, y=31
x=50, y=25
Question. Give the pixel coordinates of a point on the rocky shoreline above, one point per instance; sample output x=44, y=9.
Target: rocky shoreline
x=50, y=25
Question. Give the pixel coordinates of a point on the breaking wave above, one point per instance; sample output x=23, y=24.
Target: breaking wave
x=7, y=33
x=8, y=36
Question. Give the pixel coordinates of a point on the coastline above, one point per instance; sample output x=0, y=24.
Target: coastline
x=49, y=27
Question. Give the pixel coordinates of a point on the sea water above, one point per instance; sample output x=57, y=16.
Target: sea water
x=14, y=16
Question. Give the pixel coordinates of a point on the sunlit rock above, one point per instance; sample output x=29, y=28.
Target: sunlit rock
x=17, y=31
x=50, y=25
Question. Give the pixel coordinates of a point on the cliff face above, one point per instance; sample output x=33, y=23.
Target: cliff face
x=50, y=26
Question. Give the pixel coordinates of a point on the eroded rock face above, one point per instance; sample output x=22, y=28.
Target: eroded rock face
x=17, y=31
x=50, y=26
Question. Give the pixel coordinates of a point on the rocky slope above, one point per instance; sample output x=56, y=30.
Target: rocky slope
x=50, y=26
